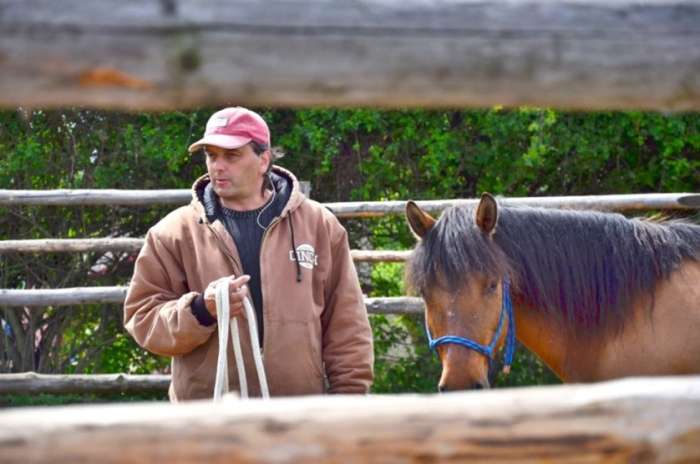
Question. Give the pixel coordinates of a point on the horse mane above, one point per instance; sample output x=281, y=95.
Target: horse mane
x=585, y=266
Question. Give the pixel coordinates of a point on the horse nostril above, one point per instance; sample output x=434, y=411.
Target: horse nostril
x=477, y=386
x=442, y=388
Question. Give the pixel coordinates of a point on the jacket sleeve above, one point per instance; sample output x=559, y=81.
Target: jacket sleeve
x=157, y=310
x=347, y=337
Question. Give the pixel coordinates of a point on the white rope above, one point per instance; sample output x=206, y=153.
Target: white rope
x=223, y=316
x=257, y=355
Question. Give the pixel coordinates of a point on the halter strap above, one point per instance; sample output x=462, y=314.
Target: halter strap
x=486, y=350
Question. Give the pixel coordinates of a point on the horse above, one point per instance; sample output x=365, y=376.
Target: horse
x=594, y=295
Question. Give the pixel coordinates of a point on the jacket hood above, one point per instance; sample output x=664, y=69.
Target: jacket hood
x=284, y=182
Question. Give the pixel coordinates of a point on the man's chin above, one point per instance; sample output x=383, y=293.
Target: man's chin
x=223, y=191
x=226, y=193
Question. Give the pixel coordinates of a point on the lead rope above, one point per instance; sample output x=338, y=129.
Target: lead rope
x=223, y=316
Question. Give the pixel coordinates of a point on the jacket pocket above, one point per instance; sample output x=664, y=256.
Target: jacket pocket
x=293, y=358
x=193, y=373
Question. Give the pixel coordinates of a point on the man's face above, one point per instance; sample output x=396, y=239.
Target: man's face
x=236, y=175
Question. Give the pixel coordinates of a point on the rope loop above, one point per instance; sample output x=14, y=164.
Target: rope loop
x=223, y=316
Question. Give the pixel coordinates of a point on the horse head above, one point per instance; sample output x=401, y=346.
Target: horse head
x=467, y=316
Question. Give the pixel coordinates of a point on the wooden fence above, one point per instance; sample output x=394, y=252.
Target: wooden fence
x=636, y=420
x=74, y=296
x=39, y=298
x=354, y=209
x=32, y=383
x=166, y=54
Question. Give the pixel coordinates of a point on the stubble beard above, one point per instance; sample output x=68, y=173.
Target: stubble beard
x=228, y=193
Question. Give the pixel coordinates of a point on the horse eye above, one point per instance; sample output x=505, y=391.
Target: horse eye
x=492, y=287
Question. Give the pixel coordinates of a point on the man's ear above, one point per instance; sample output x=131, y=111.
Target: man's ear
x=266, y=158
x=419, y=221
x=487, y=213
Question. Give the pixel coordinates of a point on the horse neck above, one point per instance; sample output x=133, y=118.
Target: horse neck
x=547, y=337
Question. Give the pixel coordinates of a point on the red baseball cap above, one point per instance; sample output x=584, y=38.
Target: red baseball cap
x=233, y=128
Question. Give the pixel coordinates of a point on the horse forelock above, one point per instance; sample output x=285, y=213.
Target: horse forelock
x=453, y=251
x=587, y=267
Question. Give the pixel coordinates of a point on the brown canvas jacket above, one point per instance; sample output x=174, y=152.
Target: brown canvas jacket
x=316, y=330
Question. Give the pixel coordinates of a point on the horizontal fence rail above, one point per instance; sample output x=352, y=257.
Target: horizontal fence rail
x=158, y=55
x=71, y=245
x=621, y=203
x=133, y=245
x=88, y=197
x=632, y=420
x=356, y=209
x=66, y=384
x=96, y=295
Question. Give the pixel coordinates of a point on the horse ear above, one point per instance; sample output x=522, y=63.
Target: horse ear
x=419, y=221
x=487, y=213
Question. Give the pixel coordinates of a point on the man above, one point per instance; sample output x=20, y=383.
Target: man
x=249, y=225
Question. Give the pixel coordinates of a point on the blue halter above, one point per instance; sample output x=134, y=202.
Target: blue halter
x=486, y=350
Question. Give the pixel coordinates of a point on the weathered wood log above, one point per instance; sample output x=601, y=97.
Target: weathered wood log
x=171, y=54
x=624, y=202
x=374, y=256
x=621, y=203
x=395, y=305
x=68, y=197
x=71, y=245
x=133, y=245
x=62, y=296
x=634, y=420
x=64, y=197
x=97, y=295
x=33, y=383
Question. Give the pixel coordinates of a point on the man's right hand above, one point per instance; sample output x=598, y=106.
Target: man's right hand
x=237, y=290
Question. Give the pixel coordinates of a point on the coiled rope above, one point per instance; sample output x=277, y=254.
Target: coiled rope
x=224, y=319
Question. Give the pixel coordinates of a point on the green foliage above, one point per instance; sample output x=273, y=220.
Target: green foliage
x=403, y=362
x=124, y=355
x=387, y=279
x=527, y=369
x=83, y=149
x=44, y=399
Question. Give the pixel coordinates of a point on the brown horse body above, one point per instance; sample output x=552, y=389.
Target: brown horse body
x=665, y=341
x=645, y=331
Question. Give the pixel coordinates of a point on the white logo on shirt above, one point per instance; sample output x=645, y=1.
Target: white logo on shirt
x=307, y=256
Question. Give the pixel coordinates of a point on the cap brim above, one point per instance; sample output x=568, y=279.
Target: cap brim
x=228, y=142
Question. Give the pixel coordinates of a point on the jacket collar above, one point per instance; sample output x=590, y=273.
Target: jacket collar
x=286, y=185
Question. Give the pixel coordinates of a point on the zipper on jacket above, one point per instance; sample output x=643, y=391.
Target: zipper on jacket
x=269, y=227
x=274, y=222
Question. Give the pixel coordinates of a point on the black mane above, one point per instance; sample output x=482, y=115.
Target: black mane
x=586, y=266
